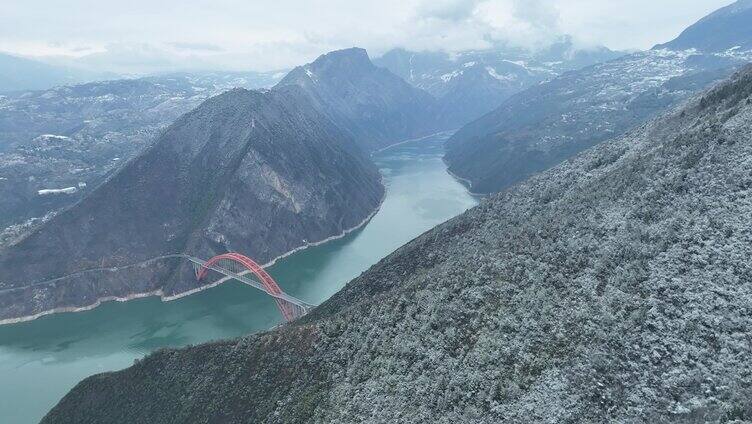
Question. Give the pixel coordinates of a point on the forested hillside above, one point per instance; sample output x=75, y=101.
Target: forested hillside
x=616, y=287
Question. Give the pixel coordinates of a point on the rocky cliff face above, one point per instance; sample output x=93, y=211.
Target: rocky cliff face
x=612, y=288
x=551, y=122
x=469, y=84
x=258, y=172
x=376, y=106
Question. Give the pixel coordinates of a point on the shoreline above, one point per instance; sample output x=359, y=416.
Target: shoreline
x=160, y=292
x=168, y=298
x=464, y=181
x=449, y=132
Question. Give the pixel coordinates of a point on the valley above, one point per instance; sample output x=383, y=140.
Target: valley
x=614, y=287
x=491, y=219
x=263, y=172
x=64, y=348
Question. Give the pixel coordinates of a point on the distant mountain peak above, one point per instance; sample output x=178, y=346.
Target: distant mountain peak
x=353, y=54
x=470, y=83
x=727, y=28
x=347, y=63
x=363, y=97
x=19, y=73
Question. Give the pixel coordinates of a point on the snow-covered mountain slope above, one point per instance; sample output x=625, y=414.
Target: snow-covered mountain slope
x=470, y=84
x=551, y=122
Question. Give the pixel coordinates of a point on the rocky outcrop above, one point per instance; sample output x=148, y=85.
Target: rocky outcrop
x=258, y=172
x=551, y=122
x=374, y=105
x=614, y=287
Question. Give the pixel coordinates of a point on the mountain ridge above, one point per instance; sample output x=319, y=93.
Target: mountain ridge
x=471, y=83
x=724, y=29
x=270, y=152
x=354, y=92
x=18, y=73
x=549, y=123
x=76, y=136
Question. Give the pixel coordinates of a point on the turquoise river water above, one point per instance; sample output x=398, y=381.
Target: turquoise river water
x=41, y=360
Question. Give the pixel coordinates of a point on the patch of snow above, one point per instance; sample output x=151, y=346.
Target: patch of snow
x=448, y=77
x=67, y=190
x=52, y=136
x=540, y=70
x=468, y=64
x=105, y=98
x=81, y=184
x=9, y=234
x=494, y=74
x=638, y=73
x=115, y=159
x=517, y=62
x=737, y=53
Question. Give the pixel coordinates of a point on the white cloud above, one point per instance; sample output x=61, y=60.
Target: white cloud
x=634, y=23
x=147, y=35
x=450, y=10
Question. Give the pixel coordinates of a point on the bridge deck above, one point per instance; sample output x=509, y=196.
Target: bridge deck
x=241, y=276
x=237, y=273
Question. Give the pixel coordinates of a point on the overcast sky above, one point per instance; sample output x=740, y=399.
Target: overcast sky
x=139, y=36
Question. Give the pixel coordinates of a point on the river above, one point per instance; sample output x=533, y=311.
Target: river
x=41, y=360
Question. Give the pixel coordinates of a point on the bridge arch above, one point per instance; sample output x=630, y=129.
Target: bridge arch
x=236, y=263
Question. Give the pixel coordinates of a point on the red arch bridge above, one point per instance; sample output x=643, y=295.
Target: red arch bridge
x=239, y=267
x=231, y=266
